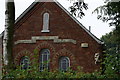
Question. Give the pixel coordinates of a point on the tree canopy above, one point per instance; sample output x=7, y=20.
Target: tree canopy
x=110, y=12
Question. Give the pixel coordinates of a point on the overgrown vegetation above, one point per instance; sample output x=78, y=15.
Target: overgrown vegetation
x=70, y=74
x=112, y=56
x=110, y=11
x=34, y=73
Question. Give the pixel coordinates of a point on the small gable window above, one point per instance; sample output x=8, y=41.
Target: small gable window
x=64, y=63
x=44, y=59
x=24, y=62
x=45, y=22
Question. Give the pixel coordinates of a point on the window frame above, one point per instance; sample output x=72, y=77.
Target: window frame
x=46, y=18
x=61, y=63
x=22, y=62
x=44, y=64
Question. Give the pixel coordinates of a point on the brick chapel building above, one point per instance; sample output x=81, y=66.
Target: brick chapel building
x=57, y=36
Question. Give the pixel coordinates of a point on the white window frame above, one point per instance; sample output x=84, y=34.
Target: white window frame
x=45, y=22
x=22, y=62
x=42, y=64
x=61, y=63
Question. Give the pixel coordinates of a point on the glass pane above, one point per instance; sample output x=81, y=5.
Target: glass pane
x=64, y=63
x=44, y=59
x=25, y=66
x=45, y=21
x=25, y=63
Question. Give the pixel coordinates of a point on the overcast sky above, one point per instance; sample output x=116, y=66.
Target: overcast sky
x=98, y=28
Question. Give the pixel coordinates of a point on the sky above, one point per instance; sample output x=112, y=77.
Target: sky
x=98, y=28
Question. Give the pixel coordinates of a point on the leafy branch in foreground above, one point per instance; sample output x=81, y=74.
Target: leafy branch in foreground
x=77, y=8
x=34, y=73
x=109, y=12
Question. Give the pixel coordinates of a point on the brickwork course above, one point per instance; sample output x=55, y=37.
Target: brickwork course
x=65, y=37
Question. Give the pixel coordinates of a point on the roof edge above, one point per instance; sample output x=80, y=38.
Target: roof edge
x=1, y=35
x=35, y=2
x=23, y=14
x=93, y=36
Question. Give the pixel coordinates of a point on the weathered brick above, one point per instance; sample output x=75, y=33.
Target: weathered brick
x=69, y=34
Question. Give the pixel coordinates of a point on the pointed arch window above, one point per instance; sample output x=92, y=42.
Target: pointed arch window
x=45, y=22
x=64, y=63
x=24, y=62
x=44, y=59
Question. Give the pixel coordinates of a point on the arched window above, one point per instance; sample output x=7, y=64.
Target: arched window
x=45, y=22
x=44, y=59
x=64, y=63
x=24, y=62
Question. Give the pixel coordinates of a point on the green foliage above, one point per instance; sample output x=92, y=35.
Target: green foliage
x=25, y=74
x=34, y=73
x=112, y=56
x=110, y=42
x=77, y=8
x=109, y=12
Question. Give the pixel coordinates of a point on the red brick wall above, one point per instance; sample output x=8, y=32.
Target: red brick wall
x=60, y=25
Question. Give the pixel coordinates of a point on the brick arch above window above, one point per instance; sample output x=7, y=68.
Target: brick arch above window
x=45, y=45
x=22, y=54
x=46, y=10
x=66, y=53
